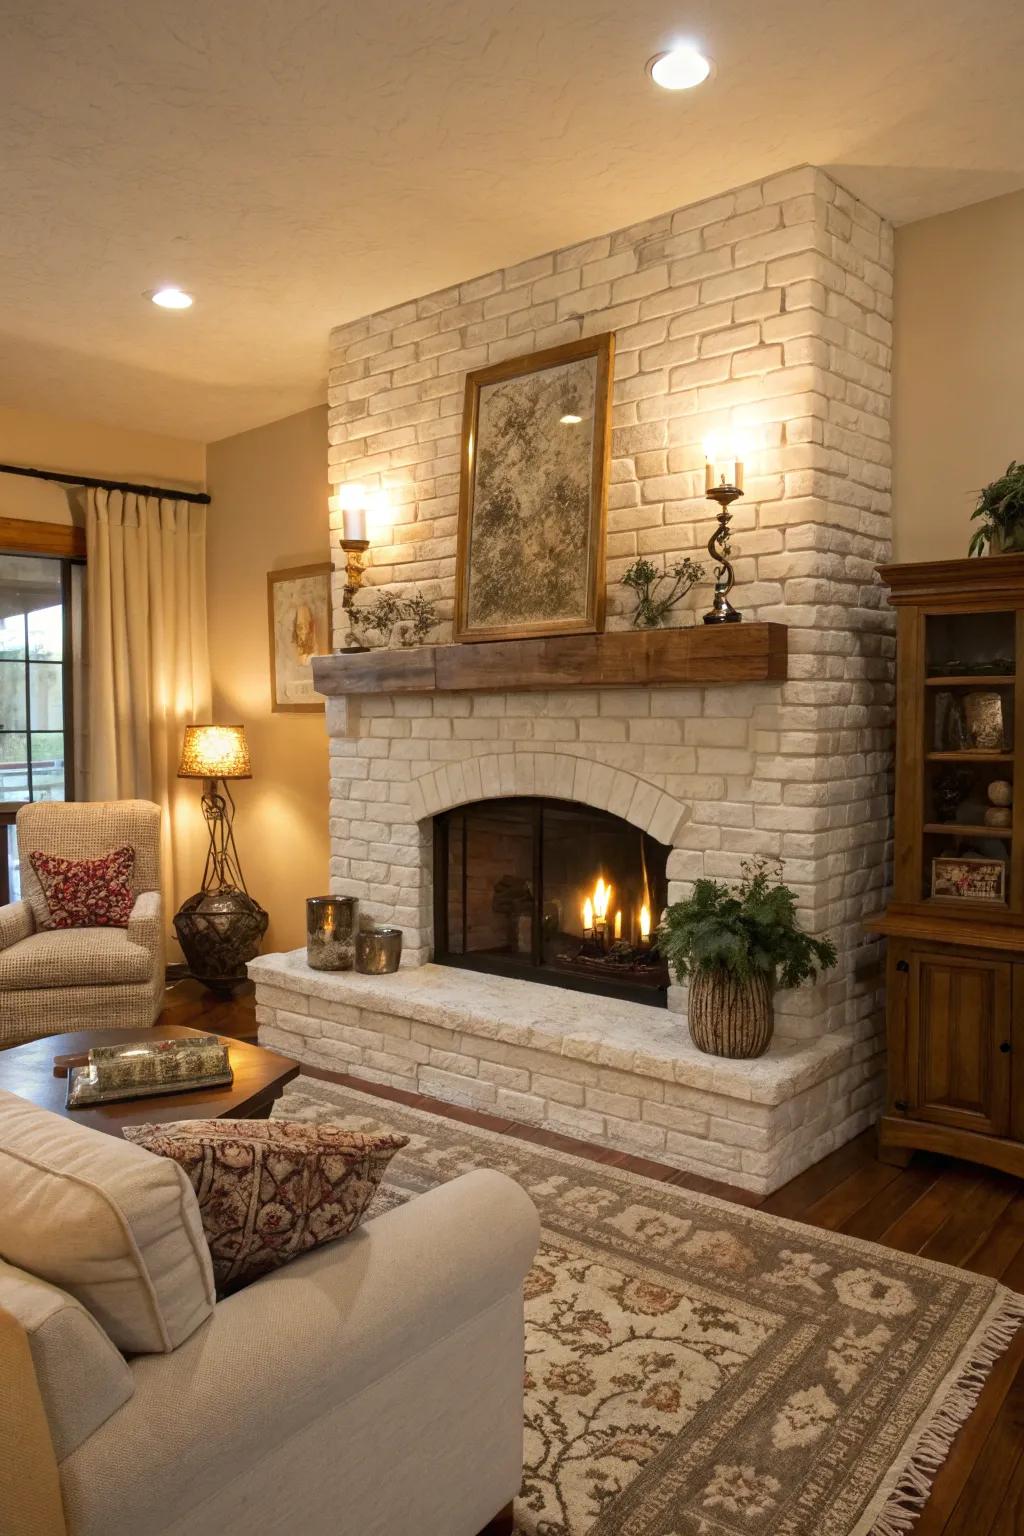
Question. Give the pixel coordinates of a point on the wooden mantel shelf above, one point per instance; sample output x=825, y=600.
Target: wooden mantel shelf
x=705, y=654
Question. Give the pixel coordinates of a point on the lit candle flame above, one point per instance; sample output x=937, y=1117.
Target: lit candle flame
x=602, y=896
x=588, y=915
x=618, y=925
x=645, y=922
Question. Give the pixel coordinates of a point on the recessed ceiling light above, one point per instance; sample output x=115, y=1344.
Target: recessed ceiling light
x=680, y=69
x=172, y=298
x=570, y=419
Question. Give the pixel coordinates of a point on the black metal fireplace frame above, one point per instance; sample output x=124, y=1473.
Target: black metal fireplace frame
x=533, y=969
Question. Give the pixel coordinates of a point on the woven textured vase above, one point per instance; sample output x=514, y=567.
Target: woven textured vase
x=730, y=1017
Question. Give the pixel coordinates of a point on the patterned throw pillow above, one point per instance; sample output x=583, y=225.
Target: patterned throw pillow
x=269, y=1190
x=87, y=893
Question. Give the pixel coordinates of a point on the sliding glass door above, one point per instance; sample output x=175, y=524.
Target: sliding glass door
x=40, y=618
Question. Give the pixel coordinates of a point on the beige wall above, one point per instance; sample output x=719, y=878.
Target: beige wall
x=85, y=448
x=269, y=511
x=958, y=415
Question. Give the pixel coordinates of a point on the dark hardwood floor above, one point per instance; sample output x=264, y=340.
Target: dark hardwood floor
x=953, y=1212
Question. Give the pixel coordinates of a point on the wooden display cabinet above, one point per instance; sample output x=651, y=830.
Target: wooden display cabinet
x=955, y=969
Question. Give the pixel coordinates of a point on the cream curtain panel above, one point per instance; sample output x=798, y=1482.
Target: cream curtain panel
x=147, y=661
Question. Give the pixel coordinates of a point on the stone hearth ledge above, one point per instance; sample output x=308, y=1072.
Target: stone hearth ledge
x=621, y=1074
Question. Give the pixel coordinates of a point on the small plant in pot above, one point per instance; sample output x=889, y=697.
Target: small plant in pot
x=737, y=943
x=1001, y=512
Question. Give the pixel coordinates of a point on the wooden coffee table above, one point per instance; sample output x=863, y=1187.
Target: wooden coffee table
x=260, y=1078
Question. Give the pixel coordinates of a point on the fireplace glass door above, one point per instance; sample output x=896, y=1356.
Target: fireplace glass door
x=550, y=891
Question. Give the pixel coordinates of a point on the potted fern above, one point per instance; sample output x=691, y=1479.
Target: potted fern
x=1001, y=512
x=737, y=943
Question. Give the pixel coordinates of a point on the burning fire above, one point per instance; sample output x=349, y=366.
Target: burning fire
x=597, y=905
x=595, y=908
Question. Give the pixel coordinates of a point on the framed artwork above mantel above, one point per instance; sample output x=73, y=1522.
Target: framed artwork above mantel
x=299, y=618
x=536, y=446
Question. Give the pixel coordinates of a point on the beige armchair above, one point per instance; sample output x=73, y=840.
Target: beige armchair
x=82, y=978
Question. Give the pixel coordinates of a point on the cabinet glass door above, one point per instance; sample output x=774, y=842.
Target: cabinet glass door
x=968, y=782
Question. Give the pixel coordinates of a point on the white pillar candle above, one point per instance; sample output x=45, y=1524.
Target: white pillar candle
x=353, y=524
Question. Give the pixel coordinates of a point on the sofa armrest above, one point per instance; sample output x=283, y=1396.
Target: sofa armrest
x=16, y=923
x=289, y=1349
x=145, y=921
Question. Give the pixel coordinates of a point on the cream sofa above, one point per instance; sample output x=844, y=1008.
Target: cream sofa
x=82, y=978
x=370, y=1388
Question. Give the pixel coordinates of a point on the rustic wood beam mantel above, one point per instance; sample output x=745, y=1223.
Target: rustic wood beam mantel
x=705, y=654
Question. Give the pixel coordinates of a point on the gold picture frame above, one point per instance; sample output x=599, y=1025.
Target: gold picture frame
x=530, y=557
x=299, y=617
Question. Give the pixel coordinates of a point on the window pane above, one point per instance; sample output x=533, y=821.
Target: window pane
x=12, y=696
x=12, y=635
x=29, y=585
x=47, y=765
x=46, y=695
x=13, y=867
x=13, y=766
x=46, y=633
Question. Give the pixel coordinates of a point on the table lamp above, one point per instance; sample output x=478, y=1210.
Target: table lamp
x=219, y=928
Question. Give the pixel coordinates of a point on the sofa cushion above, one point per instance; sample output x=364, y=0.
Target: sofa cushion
x=271, y=1189
x=79, y=957
x=117, y=1228
x=86, y=893
x=82, y=1378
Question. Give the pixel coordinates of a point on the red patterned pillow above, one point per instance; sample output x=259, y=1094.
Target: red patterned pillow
x=87, y=893
x=270, y=1190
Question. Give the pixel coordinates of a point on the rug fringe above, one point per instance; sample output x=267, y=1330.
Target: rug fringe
x=903, y=1507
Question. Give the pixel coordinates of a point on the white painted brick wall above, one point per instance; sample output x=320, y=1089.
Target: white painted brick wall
x=772, y=306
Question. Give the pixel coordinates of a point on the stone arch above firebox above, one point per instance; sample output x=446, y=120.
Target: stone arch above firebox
x=498, y=775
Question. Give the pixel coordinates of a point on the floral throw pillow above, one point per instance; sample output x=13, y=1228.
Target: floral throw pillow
x=87, y=893
x=269, y=1190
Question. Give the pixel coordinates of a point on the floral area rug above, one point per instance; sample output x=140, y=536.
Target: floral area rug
x=695, y=1368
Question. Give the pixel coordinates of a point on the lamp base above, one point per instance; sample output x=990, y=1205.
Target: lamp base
x=220, y=932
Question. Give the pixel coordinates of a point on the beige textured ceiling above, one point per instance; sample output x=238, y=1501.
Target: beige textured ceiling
x=298, y=163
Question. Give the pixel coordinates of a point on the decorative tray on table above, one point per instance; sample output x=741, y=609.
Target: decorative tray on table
x=141, y=1069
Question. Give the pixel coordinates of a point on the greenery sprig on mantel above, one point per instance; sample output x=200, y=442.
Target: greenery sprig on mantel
x=746, y=929
x=1001, y=510
x=646, y=581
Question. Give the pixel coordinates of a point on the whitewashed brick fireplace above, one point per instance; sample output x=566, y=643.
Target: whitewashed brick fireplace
x=771, y=305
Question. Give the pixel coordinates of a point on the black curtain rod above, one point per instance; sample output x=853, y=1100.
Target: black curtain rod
x=199, y=497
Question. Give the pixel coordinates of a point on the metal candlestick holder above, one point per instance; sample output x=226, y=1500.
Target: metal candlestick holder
x=355, y=568
x=722, y=611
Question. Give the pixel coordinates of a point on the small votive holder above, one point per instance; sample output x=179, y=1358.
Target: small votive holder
x=331, y=924
x=378, y=951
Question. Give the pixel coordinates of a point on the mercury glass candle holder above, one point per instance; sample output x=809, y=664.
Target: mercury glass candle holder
x=378, y=951
x=331, y=926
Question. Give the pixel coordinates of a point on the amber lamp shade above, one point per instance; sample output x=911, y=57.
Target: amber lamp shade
x=214, y=752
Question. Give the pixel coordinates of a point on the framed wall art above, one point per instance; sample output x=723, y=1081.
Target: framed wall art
x=299, y=614
x=969, y=877
x=536, y=443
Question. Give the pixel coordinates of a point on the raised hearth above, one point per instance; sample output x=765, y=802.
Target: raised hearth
x=621, y=1074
